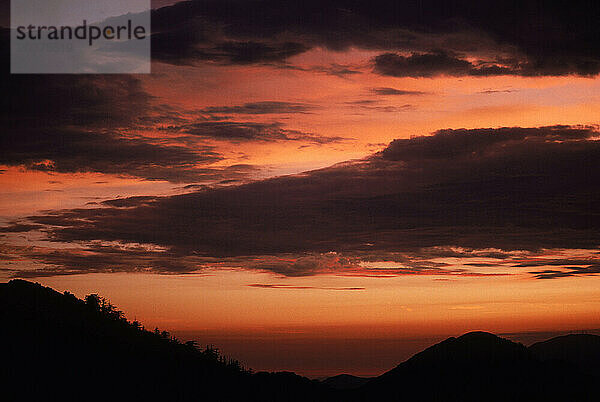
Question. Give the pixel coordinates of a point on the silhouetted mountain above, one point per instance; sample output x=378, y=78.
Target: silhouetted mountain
x=478, y=366
x=345, y=381
x=580, y=350
x=58, y=347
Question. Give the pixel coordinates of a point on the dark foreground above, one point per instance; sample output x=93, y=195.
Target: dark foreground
x=57, y=347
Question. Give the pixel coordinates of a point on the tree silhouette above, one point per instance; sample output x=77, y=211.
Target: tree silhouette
x=58, y=347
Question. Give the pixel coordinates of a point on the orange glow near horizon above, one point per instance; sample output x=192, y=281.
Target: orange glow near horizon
x=400, y=315
x=223, y=300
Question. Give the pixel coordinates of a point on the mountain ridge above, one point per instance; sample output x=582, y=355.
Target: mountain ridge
x=62, y=347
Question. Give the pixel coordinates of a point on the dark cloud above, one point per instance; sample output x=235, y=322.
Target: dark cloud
x=17, y=227
x=265, y=107
x=558, y=262
x=481, y=143
x=284, y=286
x=567, y=272
x=370, y=105
x=386, y=91
x=337, y=70
x=434, y=64
x=334, y=69
x=250, y=131
x=479, y=193
x=163, y=3
x=497, y=91
x=529, y=38
x=92, y=123
x=37, y=101
x=566, y=267
x=87, y=123
x=194, y=31
x=524, y=38
x=253, y=52
x=101, y=258
x=65, y=150
x=129, y=202
x=165, y=48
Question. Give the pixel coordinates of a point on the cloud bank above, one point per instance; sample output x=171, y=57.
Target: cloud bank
x=507, y=190
x=417, y=38
x=101, y=124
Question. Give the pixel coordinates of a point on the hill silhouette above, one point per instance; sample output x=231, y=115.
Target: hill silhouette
x=582, y=351
x=479, y=366
x=345, y=381
x=58, y=347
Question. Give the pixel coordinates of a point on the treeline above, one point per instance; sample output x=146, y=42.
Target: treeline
x=58, y=347
x=103, y=307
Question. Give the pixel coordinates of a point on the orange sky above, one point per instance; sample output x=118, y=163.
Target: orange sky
x=220, y=303
x=385, y=322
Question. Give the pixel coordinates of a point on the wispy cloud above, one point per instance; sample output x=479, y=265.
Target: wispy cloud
x=284, y=286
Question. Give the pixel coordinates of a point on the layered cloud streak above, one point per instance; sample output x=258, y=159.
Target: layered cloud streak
x=513, y=190
x=416, y=38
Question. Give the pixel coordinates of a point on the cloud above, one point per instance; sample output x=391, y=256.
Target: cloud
x=518, y=39
x=497, y=91
x=446, y=144
x=99, y=124
x=66, y=150
x=567, y=272
x=284, y=286
x=386, y=91
x=478, y=193
x=567, y=267
x=334, y=69
x=17, y=227
x=90, y=123
x=434, y=64
x=104, y=258
x=265, y=107
x=249, y=52
x=237, y=131
x=485, y=38
x=37, y=101
x=371, y=105
x=165, y=48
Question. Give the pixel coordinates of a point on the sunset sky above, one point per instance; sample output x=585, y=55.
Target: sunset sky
x=321, y=187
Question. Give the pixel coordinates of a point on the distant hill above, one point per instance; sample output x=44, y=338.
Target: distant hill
x=345, y=381
x=580, y=350
x=58, y=347
x=479, y=366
